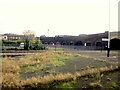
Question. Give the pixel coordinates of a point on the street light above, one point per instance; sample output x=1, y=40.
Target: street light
x=108, y=51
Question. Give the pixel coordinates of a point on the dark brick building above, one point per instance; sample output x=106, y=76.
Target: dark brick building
x=94, y=40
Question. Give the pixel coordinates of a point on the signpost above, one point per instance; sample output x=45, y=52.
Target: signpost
x=105, y=39
x=108, y=40
x=109, y=33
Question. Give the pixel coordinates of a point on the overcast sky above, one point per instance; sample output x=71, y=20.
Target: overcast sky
x=61, y=17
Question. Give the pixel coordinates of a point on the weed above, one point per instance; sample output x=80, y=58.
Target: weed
x=108, y=79
x=73, y=82
x=86, y=78
x=64, y=85
x=115, y=85
x=96, y=84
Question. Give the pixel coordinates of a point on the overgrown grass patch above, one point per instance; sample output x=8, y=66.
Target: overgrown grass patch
x=58, y=49
x=13, y=70
x=40, y=62
x=13, y=67
x=93, y=80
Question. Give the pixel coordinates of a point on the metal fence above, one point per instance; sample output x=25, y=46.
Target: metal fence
x=74, y=47
x=60, y=46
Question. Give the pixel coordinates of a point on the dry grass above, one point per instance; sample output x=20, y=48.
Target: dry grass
x=13, y=66
x=96, y=84
x=65, y=77
x=41, y=59
x=13, y=80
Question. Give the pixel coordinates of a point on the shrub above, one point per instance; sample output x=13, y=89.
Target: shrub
x=33, y=45
x=8, y=42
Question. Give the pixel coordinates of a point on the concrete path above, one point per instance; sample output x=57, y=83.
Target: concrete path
x=113, y=57
x=15, y=54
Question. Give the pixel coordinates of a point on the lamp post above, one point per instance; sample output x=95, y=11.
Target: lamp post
x=108, y=51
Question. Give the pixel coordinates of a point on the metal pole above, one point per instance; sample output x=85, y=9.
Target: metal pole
x=108, y=51
x=55, y=47
x=48, y=32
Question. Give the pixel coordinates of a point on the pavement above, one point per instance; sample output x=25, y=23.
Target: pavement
x=15, y=54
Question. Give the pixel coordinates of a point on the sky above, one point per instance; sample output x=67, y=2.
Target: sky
x=60, y=17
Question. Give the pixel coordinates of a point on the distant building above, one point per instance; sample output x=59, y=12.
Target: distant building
x=42, y=36
x=2, y=36
x=12, y=37
x=91, y=40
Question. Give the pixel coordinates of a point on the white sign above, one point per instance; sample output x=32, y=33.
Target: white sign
x=105, y=39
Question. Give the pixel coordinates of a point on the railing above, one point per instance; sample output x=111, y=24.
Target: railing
x=60, y=46
x=75, y=47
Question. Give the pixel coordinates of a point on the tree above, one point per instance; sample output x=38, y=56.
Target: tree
x=28, y=37
x=30, y=42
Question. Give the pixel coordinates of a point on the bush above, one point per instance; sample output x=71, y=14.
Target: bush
x=38, y=45
x=19, y=41
x=8, y=42
x=33, y=45
x=12, y=42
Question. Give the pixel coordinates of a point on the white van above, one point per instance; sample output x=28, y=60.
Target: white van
x=21, y=44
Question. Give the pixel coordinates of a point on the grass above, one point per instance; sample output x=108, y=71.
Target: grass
x=34, y=62
x=58, y=49
x=49, y=78
x=96, y=59
x=115, y=85
x=15, y=68
x=94, y=81
x=103, y=51
x=66, y=77
x=96, y=85
x=89, y=57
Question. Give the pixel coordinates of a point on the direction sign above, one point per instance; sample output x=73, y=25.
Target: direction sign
x=105, y=39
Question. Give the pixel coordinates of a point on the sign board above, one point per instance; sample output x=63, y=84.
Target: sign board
x=105, y=39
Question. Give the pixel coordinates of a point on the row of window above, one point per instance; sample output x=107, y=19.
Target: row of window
x=79, y=43
x=12, y=37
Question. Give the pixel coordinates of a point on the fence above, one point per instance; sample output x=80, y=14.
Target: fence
x=60, y=46
x=11, y=46
x=74, y=47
